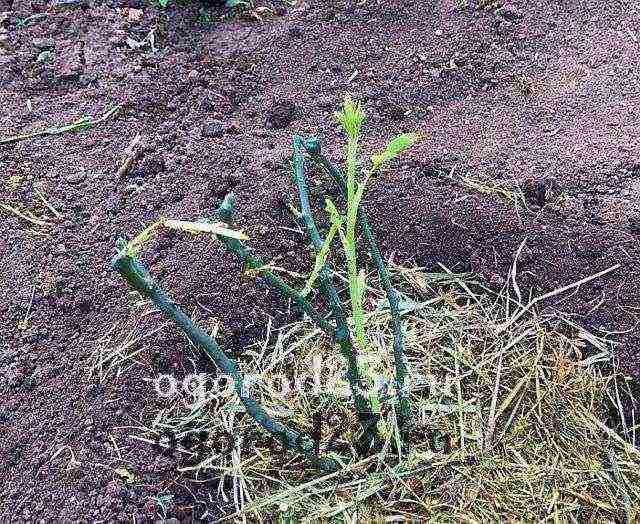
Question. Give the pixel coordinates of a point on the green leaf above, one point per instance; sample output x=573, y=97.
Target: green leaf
x=394, y=149
x=321, y=259
x=163, y=3
x=334, y=215
x=351, y=117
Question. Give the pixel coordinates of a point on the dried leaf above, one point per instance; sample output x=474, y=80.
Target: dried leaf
x=125, y=474
x=217, y=228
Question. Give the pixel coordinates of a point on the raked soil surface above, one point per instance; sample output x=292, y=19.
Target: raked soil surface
x=541, y=98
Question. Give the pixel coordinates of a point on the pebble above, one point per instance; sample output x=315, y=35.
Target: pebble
x=44, y=57
x=44, y=43
x=76, y=178
x=511, y=13
x=5, y=44
x=216, y=128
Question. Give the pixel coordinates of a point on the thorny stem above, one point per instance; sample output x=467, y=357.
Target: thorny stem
x=343, y=338
x=137, y=276
x=313, y=148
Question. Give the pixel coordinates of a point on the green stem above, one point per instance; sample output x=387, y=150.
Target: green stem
x=313, y=148
x=363, y=406
x=225, y=211
x=137, y=276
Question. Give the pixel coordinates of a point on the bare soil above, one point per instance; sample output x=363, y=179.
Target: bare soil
x=539, y=97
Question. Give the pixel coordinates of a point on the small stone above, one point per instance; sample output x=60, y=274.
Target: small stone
x=76, y=178
x=212, y=129
x=134, y=16
x=44, y=57
x=44, y=43
x=193, y=76
x=439, y=32
x=511, y=13
x=281, y=114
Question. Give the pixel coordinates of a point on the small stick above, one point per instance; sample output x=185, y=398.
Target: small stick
x=47, y=203
x=83, y=123
x=33, y=220
x=132, y=155
x=553, y=293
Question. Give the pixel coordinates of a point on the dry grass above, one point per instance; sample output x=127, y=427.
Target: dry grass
x=116, y=351
x=529, y=406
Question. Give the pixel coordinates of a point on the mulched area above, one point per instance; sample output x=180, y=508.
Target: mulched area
x=536, y=97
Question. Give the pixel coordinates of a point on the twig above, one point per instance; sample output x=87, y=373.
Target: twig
x=31, y=219
x=132, y=154
x=313, y=148
x=138, y=278
x=47, y=203
x=83, y=123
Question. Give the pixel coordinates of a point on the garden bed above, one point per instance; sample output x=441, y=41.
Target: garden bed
x=531, y=148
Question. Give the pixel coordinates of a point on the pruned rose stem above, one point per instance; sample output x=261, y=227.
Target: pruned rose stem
x=343, y=335
x=138, y=278
x=312, y=146
x=225, y=212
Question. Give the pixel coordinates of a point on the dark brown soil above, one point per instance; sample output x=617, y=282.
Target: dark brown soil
x=540, y=96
